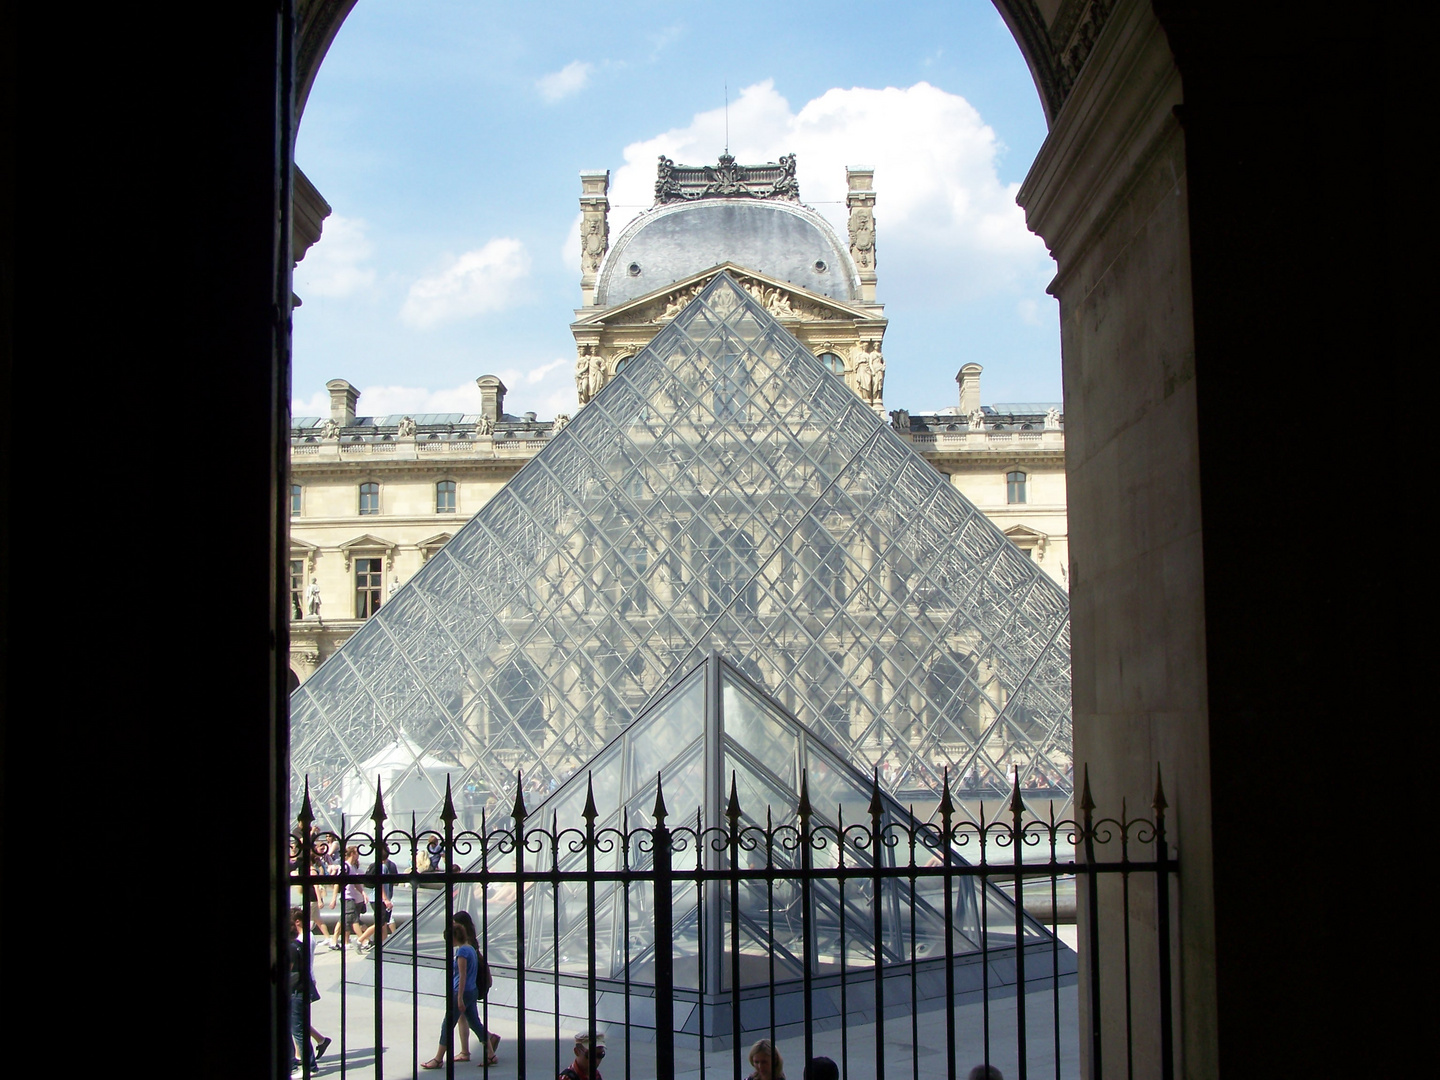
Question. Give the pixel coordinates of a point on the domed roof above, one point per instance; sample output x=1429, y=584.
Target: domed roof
x=783, y=240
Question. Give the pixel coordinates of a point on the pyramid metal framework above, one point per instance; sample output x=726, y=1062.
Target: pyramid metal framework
x=725, y=492
x=714, y=734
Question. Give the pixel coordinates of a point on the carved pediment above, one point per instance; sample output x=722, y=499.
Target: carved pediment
x=369, y=544
x=781, y=298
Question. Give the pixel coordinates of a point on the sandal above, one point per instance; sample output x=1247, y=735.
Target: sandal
x=490, y=1058
x=462, y=1057
x=433, y=1063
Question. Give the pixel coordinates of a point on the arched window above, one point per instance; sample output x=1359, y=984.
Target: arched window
x=294, y=500
x=369, y=499
x=1015, y=487
x=445, y=497
x=833, y=363
x=621, y=363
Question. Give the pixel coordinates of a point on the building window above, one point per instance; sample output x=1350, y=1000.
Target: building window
x=445, y=497
x=1015, y=487
x=369, y=581
x=294, y=500
x=297, y=588
x=833, y=363
x=621, y=363
x=369, y=499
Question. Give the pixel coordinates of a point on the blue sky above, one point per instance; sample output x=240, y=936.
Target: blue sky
x=448, y=137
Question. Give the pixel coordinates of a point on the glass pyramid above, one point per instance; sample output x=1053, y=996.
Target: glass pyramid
x=724, y=493
x=715, y=735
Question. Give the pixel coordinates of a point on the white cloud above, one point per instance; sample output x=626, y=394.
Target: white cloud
x=333, y=265
x=941, y=213
x=570, y=79
x=546, y=388
x=487, y=279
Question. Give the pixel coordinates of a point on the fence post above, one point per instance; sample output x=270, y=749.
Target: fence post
x=732, y=814
x=1017, y=840
x=447, y=815
x=947, y=814
x=877, y=809
x=807, y=923
x=1162, y=924
x=1092, y=890
x=589, y=814
x=381, y=851
x=664, y=943
x=307, y=892
x=519, y=813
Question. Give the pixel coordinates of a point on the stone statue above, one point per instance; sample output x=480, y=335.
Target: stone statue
x=787, y=187
x=486, y=426
x=407, y=428
x=862, y=379
x=582, y=373
x=593, y=242
x=561, y=419
x=1052, y=419
x=862, y=237
x=900, y=421
x=394, y=584
x=877, y=373
x=977, y=420
x=312, y=599
x=330, y=429
x=596, y=372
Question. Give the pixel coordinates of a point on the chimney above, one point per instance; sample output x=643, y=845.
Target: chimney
x=969, y=379
x=860, y=200
x=492, y=397
x=594, y=230
x=343, y=397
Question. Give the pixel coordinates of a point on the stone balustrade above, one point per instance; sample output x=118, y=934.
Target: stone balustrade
x=414, y=449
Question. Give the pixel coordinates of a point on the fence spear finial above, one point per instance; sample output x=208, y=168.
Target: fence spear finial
x=518, y=811
x=804, y=809
x=1017, y=804
x=732, y=808
x=307, y=812
x=1159, y=802
x=877, y=807
x=660, y=812
x=590, y=813
x=1087, y=804
x=378, y=815
x=447, y=814
x=946, y=807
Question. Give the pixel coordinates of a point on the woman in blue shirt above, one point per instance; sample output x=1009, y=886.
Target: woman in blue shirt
x=463, y=998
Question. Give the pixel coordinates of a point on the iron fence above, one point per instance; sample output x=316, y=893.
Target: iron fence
x=947, y=870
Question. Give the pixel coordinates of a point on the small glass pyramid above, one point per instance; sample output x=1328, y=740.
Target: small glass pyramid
x=724, y=493
x=717, y=744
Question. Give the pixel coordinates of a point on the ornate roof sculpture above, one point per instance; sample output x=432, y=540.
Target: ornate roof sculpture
x=723, y=492
x=727, y=180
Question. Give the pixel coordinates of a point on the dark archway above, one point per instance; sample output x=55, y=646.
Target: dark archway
x=174, y=175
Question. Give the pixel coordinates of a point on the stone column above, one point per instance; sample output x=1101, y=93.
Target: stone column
x=861, y=201
x=594, y=230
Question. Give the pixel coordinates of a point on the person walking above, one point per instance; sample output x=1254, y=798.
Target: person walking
x=464, y=995
x=302, y=989
x=353, y=904
x=384, y=922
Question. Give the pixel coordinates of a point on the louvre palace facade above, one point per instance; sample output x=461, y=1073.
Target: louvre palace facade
x=511, y=590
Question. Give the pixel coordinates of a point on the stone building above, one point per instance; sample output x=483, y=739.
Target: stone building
x=374, y=497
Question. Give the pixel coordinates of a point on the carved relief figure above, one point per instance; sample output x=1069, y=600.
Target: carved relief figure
x=787, y=187
x=486, y=426
x=977, y=420
x=330, y=429
x=900, y=421
x=561, y=419
x=666, y=186
x=406, y=428
x=593, y=242
x=312, y=599
x=678, y=302
x=862, y=237
x=1052, y=419
x=861, y=378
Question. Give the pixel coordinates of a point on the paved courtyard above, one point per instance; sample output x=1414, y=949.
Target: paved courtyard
x=905, y=1056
